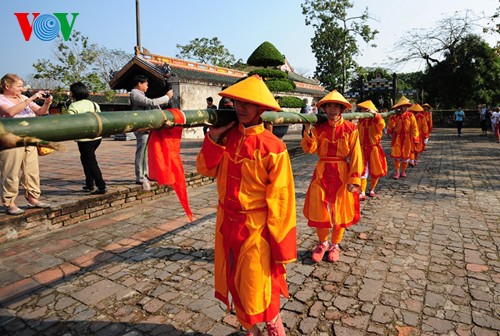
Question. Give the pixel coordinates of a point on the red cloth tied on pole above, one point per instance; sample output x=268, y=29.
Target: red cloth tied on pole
x=164, y=160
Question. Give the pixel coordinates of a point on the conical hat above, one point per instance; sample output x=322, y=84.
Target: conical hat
x=334, y=97
x=416, y=108
x=402, y=102
x=252, y=90
x=368, y=104
x=427, y=105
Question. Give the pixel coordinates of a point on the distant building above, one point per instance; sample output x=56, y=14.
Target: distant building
x=192, y=82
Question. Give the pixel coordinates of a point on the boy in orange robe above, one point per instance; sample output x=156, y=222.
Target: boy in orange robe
x=374, y=161
x=423, y=132
x=403, y=130
x=332, y=201
x=255, y=234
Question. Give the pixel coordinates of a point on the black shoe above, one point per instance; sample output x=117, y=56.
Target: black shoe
x=99, y=192
x=88, y=189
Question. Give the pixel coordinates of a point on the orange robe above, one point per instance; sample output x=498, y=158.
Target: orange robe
x=255, y=231
x=428, y=118
x=370, y=134
x=423, y=132
x=328, y=202
x=402, y=127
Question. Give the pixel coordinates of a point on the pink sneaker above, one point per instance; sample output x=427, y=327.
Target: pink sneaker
x=362, y=197
x=403, y=174
x=276, y=328
x=372, y=194
x=319, y=252
x=396, y=175
x=334, y=253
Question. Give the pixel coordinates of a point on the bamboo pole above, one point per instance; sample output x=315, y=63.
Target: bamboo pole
x=43, y=130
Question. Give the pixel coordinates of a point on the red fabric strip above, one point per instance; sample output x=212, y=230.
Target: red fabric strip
x=164, y=160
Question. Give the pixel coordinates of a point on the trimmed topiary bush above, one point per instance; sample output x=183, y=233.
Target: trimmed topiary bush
x=269, y=73
x=291, y=102
x=280, y=85
x=266, y=55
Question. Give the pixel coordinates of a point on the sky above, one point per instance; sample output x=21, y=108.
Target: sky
x=241, y=26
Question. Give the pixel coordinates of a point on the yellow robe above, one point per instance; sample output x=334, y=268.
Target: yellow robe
x=328, y=202
x=403, y=129
x=255, y=233
x=370, y=134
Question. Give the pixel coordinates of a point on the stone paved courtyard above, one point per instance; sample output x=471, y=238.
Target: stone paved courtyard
x=423, y=260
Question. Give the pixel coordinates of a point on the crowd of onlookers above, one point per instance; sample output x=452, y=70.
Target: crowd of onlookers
x=489, y=118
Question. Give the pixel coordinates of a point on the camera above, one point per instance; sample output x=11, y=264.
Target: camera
x=45, y=95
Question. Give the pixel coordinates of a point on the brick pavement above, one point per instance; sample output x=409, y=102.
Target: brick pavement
x=423, y=260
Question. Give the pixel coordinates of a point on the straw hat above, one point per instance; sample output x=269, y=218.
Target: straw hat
x=427, y=105
x=416, y=108
x=402, y=102
x=252, y=90
x=368, y=104
x=334, y=97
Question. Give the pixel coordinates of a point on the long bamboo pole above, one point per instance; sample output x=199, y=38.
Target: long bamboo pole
x=35, y=131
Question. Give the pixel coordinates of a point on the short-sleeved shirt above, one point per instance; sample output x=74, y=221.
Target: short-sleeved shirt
x=26, y=113
x=459, y=115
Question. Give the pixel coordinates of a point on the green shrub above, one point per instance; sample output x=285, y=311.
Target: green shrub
x=280, y=85
x=291, y=102
x=269, y=73
x=266, y=55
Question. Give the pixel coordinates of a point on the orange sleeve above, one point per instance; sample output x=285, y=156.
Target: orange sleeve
x=281, y=218
x=390, y=125
x=355, y=159
x=414, y=129
x=209, y=157
x=309, y=143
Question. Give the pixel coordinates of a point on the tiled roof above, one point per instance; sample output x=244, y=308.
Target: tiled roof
x=151, y=63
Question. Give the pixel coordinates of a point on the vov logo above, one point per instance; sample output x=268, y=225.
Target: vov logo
x=46, y=26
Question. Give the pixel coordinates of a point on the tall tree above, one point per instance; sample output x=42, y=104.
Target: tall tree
x=335, y=40
x=433, y=44
x=73, y=62
x=207, y=51
x=109, y=61
x=468, y=77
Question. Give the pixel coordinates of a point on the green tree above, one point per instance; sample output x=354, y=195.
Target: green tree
x=335, y=40
x=493, y=28
x=207, y=51
x=77, y=60
x=266, y=55
x=467, y=77
x=73, y=62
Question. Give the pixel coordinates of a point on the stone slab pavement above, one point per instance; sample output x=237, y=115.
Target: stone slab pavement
x=423, y=260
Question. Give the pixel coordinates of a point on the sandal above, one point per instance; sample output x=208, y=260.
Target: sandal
x=39, y=204
x=14, y=210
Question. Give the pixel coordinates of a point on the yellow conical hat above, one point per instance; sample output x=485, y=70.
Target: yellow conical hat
x=402, y=102
x=252, y=90
x=334, y=97
x=368, y=104
x=416, y=108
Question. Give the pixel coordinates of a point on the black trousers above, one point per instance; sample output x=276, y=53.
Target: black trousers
x=89, y=162
x=459, y=126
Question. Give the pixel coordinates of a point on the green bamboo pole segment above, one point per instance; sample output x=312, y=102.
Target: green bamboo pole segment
x=38, y=130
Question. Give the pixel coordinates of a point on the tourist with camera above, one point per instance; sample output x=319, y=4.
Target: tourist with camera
x=13, y=104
